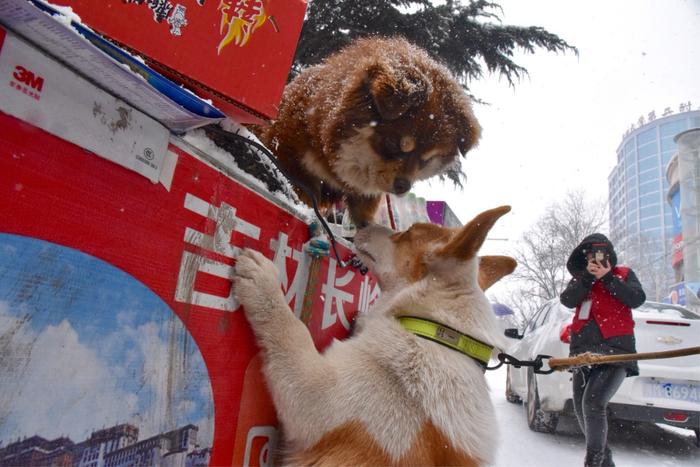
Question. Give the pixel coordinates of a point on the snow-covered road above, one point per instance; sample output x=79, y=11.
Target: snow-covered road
x=632, y=447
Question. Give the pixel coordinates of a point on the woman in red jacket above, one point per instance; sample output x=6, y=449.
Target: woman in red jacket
x=603, y=295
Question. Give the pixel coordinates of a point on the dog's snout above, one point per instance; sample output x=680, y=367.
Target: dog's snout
x=362, y=224
x=401, y=186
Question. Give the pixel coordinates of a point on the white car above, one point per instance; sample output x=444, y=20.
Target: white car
x=666, y=391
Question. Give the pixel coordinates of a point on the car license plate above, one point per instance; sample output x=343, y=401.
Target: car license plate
x=677, y=391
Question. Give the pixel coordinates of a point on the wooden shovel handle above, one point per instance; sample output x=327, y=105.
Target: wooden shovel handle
x=588, y=358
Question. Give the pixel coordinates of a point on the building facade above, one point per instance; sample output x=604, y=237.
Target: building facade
x=116, y=446
x=165, y=449
x=683, y=174
x=641, y=219
x=92, y=452
x=36, y=450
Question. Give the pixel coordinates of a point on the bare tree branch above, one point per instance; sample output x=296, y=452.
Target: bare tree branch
x=650, y=265
x=543, y=250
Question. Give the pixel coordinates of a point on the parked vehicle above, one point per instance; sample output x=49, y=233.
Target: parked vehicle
x=666, y=391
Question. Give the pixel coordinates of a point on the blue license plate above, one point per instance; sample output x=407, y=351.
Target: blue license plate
x=671, y=390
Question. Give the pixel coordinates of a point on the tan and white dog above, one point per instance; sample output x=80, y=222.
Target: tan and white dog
x=387, y=396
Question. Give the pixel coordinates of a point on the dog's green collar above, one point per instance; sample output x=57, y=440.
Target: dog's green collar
x=448, y=337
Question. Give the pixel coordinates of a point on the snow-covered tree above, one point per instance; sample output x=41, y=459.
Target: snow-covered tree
x=646, y=257
x=466, y=36
x=543, y=250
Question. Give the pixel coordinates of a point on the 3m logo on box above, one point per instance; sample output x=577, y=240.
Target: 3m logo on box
x=27, y=82
x=27, y=77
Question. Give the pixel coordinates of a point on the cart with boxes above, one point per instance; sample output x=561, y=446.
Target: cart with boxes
x=121, y=216
x=121, y=340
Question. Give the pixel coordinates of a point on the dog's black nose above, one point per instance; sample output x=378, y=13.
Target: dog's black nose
x=401, y=186
x=362, y=224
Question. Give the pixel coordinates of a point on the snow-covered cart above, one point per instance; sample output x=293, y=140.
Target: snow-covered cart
x=121, y=341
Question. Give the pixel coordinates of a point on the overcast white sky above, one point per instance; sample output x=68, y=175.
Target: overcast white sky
x=560, y=127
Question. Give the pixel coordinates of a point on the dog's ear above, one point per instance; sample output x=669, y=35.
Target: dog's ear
x=493, y=268
x=469, y=131
x=465, y=244
x=468, y=137
x=394, y=92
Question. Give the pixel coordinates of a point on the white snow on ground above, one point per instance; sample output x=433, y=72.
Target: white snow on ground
x=642, y=445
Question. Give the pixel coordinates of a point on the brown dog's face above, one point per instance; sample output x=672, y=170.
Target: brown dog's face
x=401, y=258
x=400, y=124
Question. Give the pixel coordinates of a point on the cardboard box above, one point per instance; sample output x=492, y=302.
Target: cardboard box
x=43, y=92
x=236, y=52
x=96, y=60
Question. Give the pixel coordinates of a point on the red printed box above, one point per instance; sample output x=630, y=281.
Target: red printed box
x=236, y=52
x=123, y=338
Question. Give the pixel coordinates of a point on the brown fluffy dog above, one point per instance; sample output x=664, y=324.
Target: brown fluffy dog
x=372, y=119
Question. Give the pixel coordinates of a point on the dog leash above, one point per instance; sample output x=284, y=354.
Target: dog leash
x=586, y=359
x=292, y=180
x=481, y=352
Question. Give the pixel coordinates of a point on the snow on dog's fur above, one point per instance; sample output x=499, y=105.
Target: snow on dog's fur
x=386, y=396
x=373, y=118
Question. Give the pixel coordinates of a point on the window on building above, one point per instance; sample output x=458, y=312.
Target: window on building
x=666, y=158
x=649, y=163
x=648, y=176
x=647, y=150
x=673, y=128
x=650, y=224
x=651, y=198
x=667, y=144
x=648, y=211
x=646, y=136
x=649, y=187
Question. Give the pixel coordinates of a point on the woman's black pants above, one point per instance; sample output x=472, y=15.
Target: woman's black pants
x=593, y=389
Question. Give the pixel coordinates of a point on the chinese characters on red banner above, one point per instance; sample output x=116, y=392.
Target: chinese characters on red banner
x=338, y=292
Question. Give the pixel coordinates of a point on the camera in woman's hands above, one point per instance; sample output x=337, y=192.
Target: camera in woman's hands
x=601, y=255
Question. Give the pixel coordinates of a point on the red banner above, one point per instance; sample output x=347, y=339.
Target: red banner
x=239, y=49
